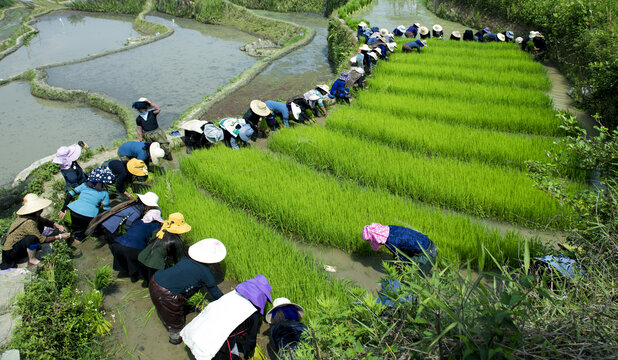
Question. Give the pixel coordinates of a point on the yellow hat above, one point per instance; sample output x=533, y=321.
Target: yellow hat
x=137, y=167
x=177, y=224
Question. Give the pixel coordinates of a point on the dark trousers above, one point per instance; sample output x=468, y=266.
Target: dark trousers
x=169, y=306
x=18, y=251
x=79, y=223
x=125, y=259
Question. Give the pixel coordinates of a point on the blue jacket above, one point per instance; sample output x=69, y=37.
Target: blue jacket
x=413, y=29
x=408, y=241
x=279, y=108
x=338, y=89
x=73, y=176
x=127, y=215
x=138, y=235
x=135, y=149
x=89, y=200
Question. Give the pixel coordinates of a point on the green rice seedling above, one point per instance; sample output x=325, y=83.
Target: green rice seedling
x=252, y=248
x=522, y=65
x=421, y=86
x=103, y=277
x=473, y=75
x=325, y=210
x=516, y=119
x=472, y=187
x=436, y=138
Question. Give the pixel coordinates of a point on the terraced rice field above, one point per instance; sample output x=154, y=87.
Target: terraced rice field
x=438, y=138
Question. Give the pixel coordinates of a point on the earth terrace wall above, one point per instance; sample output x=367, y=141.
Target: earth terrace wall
x=581, y=36
x=223, y=12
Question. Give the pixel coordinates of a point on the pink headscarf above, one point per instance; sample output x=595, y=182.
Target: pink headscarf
x=151, y=215
x=65, y=155
x=376, y=234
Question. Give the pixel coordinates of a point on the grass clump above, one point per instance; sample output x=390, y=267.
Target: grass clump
x=112, y=6
x=324, y=210
x=472, y=187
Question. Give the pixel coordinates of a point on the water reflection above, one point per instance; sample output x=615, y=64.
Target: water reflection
x=33, y=128
x=69, y=35
x=175, y=72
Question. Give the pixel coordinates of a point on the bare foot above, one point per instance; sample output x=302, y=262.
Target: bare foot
x=35, y=263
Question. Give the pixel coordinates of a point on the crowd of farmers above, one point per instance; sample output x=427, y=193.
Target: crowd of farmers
x=148, y=247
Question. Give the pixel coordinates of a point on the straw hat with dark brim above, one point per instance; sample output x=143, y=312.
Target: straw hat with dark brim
x=259, y=108
x=456, y=34
x=423, y=30
x=193, y=125
x=365, y=47
x=501, y=37
x=383, y=32
x=156, y=152
x=324, y=88
x=417, y=25
x=279, y=302
x=437, y=28
x=32, y=204
x=137, y=167
x=373, y=55
x=208, y=251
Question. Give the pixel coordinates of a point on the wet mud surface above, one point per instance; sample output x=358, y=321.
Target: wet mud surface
x=11, y=22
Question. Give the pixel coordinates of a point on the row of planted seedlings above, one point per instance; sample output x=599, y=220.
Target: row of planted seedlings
x=326, y=210
x=252, y=248
x=471, y=186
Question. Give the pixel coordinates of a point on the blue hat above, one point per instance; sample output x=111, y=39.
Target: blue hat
x=510, y=35
x=140, y=105
x=101, y=174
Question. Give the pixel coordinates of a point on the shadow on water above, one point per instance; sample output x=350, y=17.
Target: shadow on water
x=33, y=128
x=69, y=35
x=285, y=78
x=175, y=72
x=11, y=22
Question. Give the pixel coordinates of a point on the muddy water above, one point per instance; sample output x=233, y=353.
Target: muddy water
x=33, y=128
x=175, y=72
x=287, y=77
x=69, y=35
x=562, y=101
x=11, y=22
x=391, y=13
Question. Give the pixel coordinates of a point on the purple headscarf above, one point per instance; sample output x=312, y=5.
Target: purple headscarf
x=344, y=76
x=486, y=30
x=256, y=290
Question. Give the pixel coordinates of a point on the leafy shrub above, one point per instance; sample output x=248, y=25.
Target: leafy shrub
x=59, y=321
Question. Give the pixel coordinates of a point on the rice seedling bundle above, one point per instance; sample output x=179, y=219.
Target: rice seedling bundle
x=519, y=119
x=325, y=210
x=252, y=248
x=421, y=86
x=472, y=187
x=436, y=138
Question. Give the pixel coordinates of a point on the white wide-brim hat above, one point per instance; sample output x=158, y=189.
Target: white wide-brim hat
x=142, y=99
x=295, y=110
x=324, y=88
x=401, y=28
x=193, y=125
x=417, y=25
x=456, y=34
x=373, y=55
x=208, y=251
x=259, y=108
x=362, y=23
x=278, y=302
x=149, y=199
x=391, y=46
x=353, y=60
x=519, y=40
x=32, y=204
x=501, y=36
x=364, y=48
x=359, y=70
x=437, y=28
x=156, y=152
x=423, y=30
x=383, y=32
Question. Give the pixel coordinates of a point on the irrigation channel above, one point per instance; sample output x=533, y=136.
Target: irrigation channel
x=204, y=57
